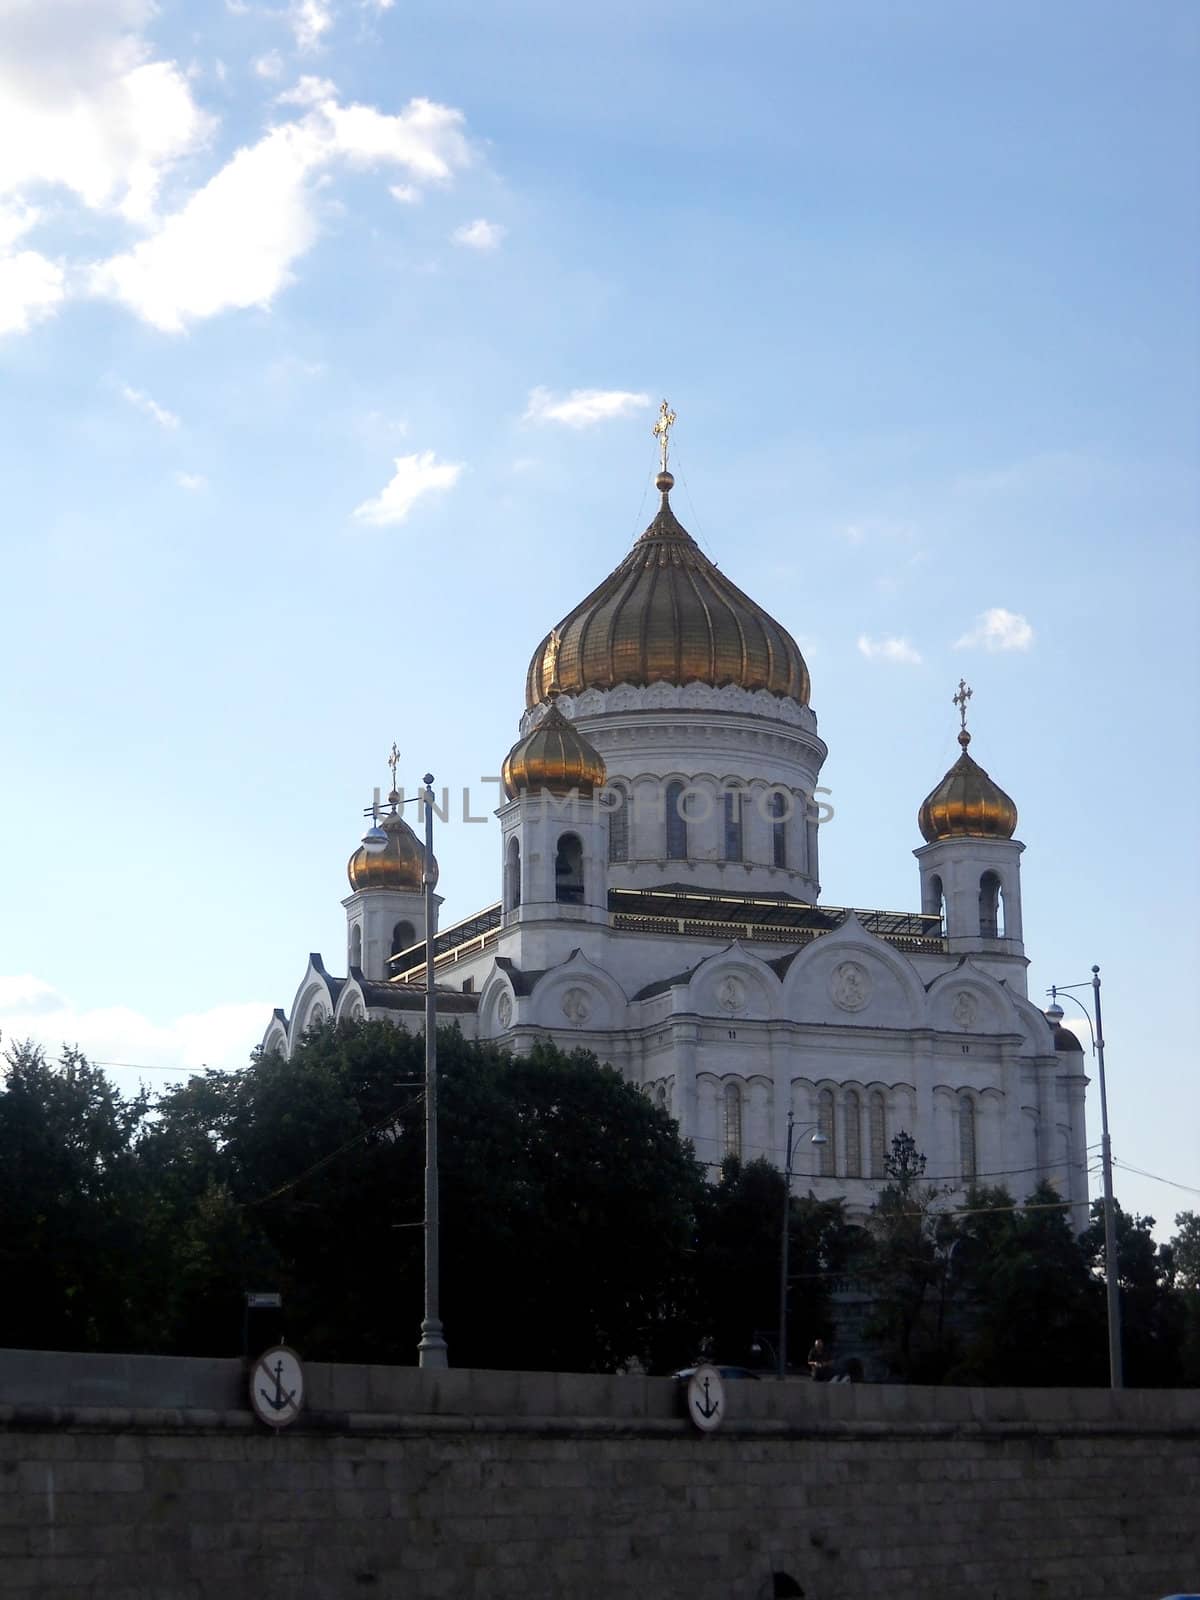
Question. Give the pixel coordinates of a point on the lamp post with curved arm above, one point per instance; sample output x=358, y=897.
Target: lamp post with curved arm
x=817, y=1138
x=1054, y=1013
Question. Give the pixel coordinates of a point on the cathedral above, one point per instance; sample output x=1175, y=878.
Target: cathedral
x=660, y=905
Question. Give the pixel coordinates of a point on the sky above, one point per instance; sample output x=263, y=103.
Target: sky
x=331, y=336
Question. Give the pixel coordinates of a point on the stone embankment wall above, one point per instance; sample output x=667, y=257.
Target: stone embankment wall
x=144, y=1478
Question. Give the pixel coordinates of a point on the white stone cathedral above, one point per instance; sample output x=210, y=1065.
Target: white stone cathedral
x=660, y=906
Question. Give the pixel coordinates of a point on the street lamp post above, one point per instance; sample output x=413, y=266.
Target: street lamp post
x=1054, y=1013
x=817, y=1138
x=431, y=1351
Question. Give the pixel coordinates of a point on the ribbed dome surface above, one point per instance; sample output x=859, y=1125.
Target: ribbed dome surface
x=967, y=803
x=554, y=756
x=399, y=865
x=667, y=615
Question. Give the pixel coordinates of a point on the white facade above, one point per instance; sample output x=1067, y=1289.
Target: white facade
x=697, y=959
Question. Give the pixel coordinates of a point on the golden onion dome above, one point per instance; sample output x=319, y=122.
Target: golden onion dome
x=399, y=865
x=967, y=804
x=667, y=615
x=553, y=756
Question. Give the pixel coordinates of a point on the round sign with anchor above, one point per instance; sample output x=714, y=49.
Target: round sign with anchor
x=706, y=1398
x=277, y=1386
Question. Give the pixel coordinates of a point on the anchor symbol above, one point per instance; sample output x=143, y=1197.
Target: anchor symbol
x=281, y=1400
x=710, y=1407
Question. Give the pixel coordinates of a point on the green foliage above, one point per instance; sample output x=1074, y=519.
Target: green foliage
x=1152, y=1316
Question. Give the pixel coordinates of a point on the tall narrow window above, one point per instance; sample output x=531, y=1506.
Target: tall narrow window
x=403, y=935
x=356, y=945
x=618, y=823
x=779, y=810
x=733, y=1119
x=733, y=825
x=934, y=896
x=512, y=875
x=677, y=828
x=966, y=1138
x=853, y=1114
x=990, y=926
x=568, y=871
x=878, y=1133
x=828, y=1129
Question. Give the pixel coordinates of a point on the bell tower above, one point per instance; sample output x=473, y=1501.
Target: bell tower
x=970, y=862
x=385, y=913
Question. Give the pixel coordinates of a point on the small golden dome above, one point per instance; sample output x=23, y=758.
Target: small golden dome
x=967, y=804
x=399, y=865
x=667, y=615
x=553, y=756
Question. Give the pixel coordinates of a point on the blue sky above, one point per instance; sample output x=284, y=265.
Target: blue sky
x=332, y=336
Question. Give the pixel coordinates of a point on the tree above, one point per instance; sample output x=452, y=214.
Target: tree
x=1185, y=1264
x=72, y=1207
x=568, y=1202
x=1152, y=1317
x=1030, y=1312
x=910, y=1245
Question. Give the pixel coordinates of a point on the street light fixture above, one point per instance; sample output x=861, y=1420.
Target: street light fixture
x=1054, y=1014
x=817, y=1138
x=431, y=1351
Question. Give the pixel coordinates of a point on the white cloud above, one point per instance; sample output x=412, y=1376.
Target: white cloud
x=269, y=65
x=583, y=407
x=480, y=234
x=149, y=407
x=415, y=475
x=406, y=193
x=898, y=651
x=310, y=20
x=193, y=482
x=222, y=1036
x=100, y=118
x=234, y=242
x=31, y=287
x=997, y=629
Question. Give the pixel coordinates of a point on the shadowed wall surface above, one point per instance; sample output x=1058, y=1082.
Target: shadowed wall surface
x=147, y=1478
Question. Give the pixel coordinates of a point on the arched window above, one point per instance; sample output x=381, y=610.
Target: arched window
x=618, y=823
x=828, y=1128
x=512, y=875
x=356, y=945
x=733, y=1119
x=677, y=828
x=990, y=907
x=779, y=811
x=568, y=870
x=403, y=935
x=878, y=1112
x=935, y=897
x=734, y=800
x=966, y=1138
x=853, y=1112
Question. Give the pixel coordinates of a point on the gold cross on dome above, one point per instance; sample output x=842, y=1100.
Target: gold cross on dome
x=960, y=700
x=662, y=430
x=394, y=762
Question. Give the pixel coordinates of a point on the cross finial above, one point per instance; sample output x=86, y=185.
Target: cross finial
x=662, y=431
x=960, y=700
x=394, y=762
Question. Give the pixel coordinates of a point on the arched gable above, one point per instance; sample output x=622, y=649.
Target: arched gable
x=968, y=1000
x=734, y=983
x=578, y=994
x=852, y=978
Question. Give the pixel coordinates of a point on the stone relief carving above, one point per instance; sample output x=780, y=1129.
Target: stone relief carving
x=504, y=1010
x=965, y=1009
x=577, y=1006
x=731, y=994
x=850, y=986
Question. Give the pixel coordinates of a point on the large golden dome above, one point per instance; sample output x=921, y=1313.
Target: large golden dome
x=553, y=756
x=967, y=803
x=667, y=615
x=399, y=865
